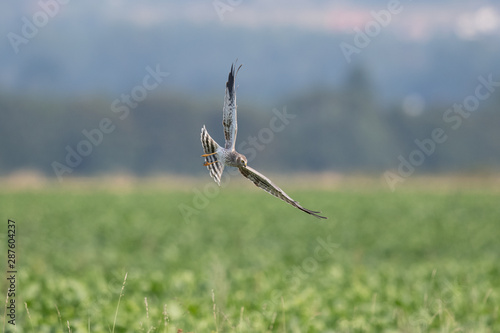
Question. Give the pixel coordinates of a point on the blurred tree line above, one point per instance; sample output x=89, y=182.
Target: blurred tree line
x=347, y=129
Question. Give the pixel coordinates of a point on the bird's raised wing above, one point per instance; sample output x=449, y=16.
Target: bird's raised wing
x=267, y=185
x=229, y=112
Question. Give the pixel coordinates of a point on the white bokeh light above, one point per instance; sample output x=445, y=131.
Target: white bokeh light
x=483, y=21
x=413, y=104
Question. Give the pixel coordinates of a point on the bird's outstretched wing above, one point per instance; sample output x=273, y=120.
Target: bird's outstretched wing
x=265, y=183
x=211, y=162
x=229, y=111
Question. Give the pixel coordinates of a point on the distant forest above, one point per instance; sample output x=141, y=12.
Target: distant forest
x=343, y=130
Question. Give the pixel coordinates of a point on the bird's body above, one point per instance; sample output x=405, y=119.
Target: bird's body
x=216, y=156
x=232, y=158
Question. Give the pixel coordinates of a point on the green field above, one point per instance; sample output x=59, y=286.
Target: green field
x=409, y=261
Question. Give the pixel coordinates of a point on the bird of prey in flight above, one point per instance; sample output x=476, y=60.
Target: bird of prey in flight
x=216, y=157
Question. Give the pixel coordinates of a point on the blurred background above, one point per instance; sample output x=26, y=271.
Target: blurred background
x=101, y=87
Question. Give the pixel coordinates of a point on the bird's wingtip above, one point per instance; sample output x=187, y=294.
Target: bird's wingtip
x=232, y=74
x=313, y=213
x=230, y=80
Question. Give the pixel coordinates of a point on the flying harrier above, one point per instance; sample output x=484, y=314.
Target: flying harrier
x=216, y=157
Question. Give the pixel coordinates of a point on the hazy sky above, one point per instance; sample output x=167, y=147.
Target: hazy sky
x=421, y=18
x=92, y=41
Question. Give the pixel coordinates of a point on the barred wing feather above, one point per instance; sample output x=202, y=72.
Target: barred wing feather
x=265, y=183
x=229, y=121
x=210, y=146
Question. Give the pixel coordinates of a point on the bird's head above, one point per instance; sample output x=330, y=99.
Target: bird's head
x=241, y=160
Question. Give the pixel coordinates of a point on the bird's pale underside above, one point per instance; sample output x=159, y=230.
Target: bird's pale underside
x=216, y=157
